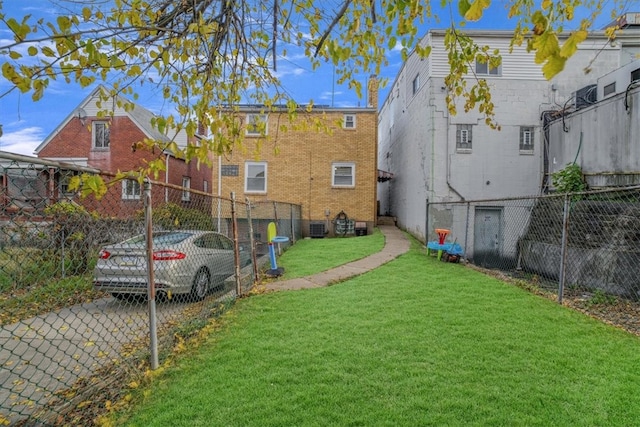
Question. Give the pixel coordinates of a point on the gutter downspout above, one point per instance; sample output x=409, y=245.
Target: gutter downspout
x=219, y=189
x=166, y=177
x=448, y=159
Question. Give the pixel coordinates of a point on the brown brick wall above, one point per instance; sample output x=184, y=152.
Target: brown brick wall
x=300, y=167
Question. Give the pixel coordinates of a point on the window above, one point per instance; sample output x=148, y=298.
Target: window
x=463, y=137
x=256, y=124
x=343, y=175
x=213, y=241
x=130, y=189
x=609, y=89
x=186, y=185
x=205, y=186
x=65, y=179
x=526, y=138
x=349, y=121
x=255, y=177
x=484, y=68
x=635, y=75
x=416, y=84
x=101, y=135
x=229, y=170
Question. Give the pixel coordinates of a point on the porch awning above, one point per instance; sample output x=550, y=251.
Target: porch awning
x=384, y=176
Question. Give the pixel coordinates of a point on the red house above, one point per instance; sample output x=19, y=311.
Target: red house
x=109, y=143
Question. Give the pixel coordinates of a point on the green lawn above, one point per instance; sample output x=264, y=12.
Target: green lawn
x=415, y=342
x=315, y=255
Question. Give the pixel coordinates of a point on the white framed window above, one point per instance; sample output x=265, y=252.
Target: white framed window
x=130, y=189
x=415, y=85
x=343, y=175
x=100, y=135
x=256, y=124
x=205, y=186
x=526, y=138
x=186, y=185
x=255, y=177
x=349, y=121
x=483, y=68
x=464, y=135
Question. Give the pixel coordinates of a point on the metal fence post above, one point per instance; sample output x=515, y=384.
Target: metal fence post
x=64, y=271
x=236, y=246
x=254, y=257
x=426, y=224
x=563, y=247
x=466, y=229
x=293, y=227
x=151, y=288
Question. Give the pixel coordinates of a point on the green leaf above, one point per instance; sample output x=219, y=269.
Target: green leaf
x=64, y=23
x=463, y=7
x=553, y=66
x=48, y=52
x=476, y=10
x=15, y=55
x=546, y=45
x=570, y=46
x=86, y=13
x=32, y=50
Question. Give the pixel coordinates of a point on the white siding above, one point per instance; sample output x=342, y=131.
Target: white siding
x=417, y=136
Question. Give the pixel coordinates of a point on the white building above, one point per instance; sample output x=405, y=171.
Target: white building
x=436, y=157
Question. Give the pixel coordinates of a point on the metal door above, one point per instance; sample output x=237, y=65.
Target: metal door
x=487, y=236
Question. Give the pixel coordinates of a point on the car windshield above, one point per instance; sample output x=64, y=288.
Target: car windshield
x=159, y=238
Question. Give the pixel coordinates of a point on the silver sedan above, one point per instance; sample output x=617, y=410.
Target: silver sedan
x=184, y=262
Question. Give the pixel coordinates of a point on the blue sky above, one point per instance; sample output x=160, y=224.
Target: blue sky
x=26, y=124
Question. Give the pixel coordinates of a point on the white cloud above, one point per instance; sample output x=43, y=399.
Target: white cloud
x=329, y=94
x=22, y=141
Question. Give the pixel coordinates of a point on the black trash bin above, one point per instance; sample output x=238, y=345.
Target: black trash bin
x=361, y=228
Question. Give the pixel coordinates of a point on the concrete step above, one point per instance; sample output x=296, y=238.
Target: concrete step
x=386, y=220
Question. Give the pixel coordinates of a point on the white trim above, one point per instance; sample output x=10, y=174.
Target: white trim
x=352, y=122
x=75, y=161
x=135, y=195
x=106, y=130
x=247, y=165
x=250, y=124
x=334, y=168
x=186, y=185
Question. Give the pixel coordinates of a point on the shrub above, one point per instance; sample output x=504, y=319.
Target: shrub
x=171, y=216
x=569, y=180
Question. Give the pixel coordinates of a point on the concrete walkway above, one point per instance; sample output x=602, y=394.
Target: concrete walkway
x=395, y=244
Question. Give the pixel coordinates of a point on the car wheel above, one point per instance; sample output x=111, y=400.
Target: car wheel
x=200, y=285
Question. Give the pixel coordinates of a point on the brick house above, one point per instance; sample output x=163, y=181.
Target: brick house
x=330, y=174
x=109, y=144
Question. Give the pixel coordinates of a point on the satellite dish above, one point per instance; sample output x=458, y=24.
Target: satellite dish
x=81, y=114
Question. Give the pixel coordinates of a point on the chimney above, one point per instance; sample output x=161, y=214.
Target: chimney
x=202, y=131
x=372, y=91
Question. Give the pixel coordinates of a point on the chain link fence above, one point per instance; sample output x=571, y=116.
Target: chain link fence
x=582, y=249
x=77, y=318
